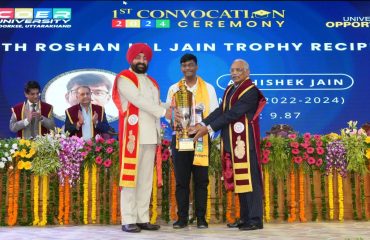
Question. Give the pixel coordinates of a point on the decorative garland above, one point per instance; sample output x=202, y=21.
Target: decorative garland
x=224, y=207
x=61, y=204
x=86, y=194
x=236, y=206
x=292, y=216
x=93, y=193
x=173, y=203
x=275, y=197
x=44, y=200
x=114, y=201
x=362, y=191
x=208, y=212
x=28, y=198
x=20, y=198
x=330, y=196
x=313, y=198
x=229, y=201
x=266, y=186
x=324, y=210
x=302, y=215
x=75, y=210
x=153, y=219
x=217, y=199
x=36, y=219
x=67, y=199
x=286, y=209
x=165, y=198
x=13, y=194
x=3, y=197
x=340, y=197
x=354, y=200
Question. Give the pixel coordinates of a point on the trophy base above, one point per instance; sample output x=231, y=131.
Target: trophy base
x=186, y=144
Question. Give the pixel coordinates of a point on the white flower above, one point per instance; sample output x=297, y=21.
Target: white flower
x=6, y=145
x=15, y=146
x=2, y=165
x=6, y=154
x=9, y=158
x=12, y=151
x=3, y=159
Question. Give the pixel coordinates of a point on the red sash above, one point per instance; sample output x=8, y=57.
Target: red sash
x=45, y=109
x=128, y=128
x=72, y=114
x=240, y=177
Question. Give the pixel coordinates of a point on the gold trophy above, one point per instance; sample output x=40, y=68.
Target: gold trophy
x=184, y=103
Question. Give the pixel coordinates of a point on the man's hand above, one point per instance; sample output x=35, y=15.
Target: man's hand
x=168, y=114
x=178, y=116
x=80, y=120
x=36, y=114
x=200, y=133
x=194, y=129
x=29, y=115
x=95, y=119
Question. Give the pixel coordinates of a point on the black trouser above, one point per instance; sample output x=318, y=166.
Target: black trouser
x=183, y=164
x=251, y=209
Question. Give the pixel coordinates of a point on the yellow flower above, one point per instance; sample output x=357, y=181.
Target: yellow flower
x=28, y=143
x=367, y=139
x=15, y=154
x=27, y=165
x=22, y=141
x=20, y=165
x=368, y=153
x=333, y=136
x=23, y=153
x=31, y=153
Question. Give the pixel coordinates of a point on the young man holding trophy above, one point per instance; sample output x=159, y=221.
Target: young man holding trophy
x=193, y=99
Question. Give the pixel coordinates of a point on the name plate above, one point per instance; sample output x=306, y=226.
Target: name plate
x=186, y=144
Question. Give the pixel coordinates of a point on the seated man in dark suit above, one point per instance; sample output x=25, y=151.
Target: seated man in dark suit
x=86, y=119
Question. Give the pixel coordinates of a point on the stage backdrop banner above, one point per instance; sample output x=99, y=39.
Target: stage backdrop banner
x=310, y=59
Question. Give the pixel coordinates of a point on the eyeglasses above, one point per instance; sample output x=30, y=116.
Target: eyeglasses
x=95, y=93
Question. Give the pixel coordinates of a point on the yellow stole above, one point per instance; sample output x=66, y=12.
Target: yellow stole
x=201, y=147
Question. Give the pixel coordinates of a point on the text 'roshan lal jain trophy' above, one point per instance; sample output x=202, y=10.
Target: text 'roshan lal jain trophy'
x=184, y=104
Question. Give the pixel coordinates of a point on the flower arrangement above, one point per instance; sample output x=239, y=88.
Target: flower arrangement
x=354, y=140
x=24, y=154
x=45, y=162
x=46, y=159
x=7, y=148
x=308, y=150
x=103, y=153
x=71, y=158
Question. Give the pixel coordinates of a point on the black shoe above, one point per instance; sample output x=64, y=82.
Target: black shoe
x=249, y=227
x=148, y=226
x=132, y=228
x=180, y=224
x=202, y=223
x=236, y=224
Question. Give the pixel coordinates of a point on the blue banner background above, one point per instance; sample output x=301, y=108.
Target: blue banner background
x=304, y=22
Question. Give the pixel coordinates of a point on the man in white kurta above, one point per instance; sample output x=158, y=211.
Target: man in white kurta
x=137, y=97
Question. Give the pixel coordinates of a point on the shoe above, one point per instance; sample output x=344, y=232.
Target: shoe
x=180, y=224
x=131, y=228
x=236, y=224
x=148, y=226
x=202, y=223
x=249, y=227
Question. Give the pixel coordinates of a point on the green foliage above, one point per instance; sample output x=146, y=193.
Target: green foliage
x=46, y=159
x=355, y=145
x=215, y=157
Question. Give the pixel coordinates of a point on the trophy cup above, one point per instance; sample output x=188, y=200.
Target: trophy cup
x=184, y=103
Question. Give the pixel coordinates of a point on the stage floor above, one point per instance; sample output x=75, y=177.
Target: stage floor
x=329, y=230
